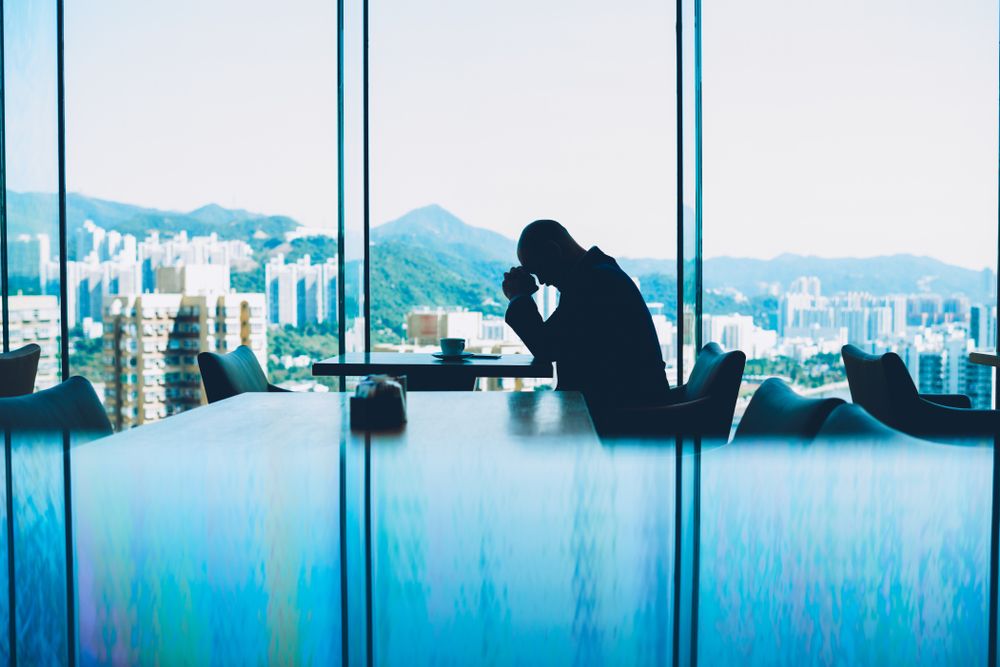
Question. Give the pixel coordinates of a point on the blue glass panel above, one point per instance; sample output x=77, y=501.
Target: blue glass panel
x=208, y=553
x=39, y=548
x=505, y=555
x=844, y=554
x=30, y=135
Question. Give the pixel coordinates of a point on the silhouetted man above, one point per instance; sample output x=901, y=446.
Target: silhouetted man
x=601, y=336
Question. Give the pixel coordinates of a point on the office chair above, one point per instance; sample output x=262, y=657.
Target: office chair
x=704, y=406
x=883, y=387
x=226, y=375
x=18, y=369
x=777, y=412
x=70, y=406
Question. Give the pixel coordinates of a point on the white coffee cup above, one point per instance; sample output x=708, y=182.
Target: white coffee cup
x=452, y=347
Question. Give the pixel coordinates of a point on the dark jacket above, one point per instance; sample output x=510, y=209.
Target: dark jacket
x=601, y=336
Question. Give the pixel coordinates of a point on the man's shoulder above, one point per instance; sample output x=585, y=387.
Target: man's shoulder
x=602, y=268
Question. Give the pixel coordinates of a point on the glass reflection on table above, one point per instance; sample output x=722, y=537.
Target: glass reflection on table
x=224, y=555
x=491, y=554
x=844, y=554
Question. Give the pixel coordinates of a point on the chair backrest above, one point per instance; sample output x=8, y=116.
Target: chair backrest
x=879, y=384
x=70, y=406
x=854, y=422
x=777, y=411
x=18, y=369
x=226, y=375
x=715, y=371
x=717, y=376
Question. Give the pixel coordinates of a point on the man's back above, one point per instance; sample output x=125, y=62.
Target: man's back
x=601, y=336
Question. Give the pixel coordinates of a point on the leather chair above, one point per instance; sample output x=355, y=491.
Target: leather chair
x=226, y=375
x=852, y=422
x=18, y=369
x=70, y=406
x=883, y=387
x=702, y=407
x=777, y=412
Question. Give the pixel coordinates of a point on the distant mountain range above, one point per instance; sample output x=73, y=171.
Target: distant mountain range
x=887, y=274
x=32, y=213
x=434, y=229
x=431, y=257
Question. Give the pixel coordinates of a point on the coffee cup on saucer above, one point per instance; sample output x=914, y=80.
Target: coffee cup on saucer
x=452, y=347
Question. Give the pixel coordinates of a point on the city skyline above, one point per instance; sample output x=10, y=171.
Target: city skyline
x=152, y=301
x=380, y=223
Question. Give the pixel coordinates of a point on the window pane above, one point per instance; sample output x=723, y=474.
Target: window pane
x=486, y=116
x=692, y=188
x=32, y=164
x=851, y=187
x=204, y=205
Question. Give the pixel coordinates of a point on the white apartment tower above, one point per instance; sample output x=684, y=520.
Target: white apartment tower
x=301, y=293
x=151, y=345
x=35, y=319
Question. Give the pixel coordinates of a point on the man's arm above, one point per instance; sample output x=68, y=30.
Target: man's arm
x=543, y=337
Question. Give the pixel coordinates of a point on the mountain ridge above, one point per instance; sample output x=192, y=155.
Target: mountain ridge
x=436, y=229
x=445, y=240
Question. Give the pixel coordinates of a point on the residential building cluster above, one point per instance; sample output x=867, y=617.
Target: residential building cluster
x=933, y=334
x=154, y=303
x=109, y=264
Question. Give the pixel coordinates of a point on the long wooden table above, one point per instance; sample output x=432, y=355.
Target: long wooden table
x=424, y=372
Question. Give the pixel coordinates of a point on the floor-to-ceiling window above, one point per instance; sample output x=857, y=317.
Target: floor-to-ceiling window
x=850, y=187
x=32, y=182
x=846, y=191
x=486, y=116
x=202, y=213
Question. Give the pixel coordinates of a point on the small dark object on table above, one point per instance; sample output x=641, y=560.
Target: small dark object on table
x=379, y=402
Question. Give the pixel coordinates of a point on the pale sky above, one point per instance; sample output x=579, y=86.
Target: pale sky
x=850, y=128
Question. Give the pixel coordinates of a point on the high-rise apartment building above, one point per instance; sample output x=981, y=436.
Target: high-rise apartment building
x=940, y=364
x=151, y=344
x=90, y=282
x=738, y=332
x=35, y=319
x=809, y=285
x=547, y=299
x=302, y=292
x=29, y=260
x=154, y=252
x=983, y=326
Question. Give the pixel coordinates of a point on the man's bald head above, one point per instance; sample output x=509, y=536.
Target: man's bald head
x=547, y=250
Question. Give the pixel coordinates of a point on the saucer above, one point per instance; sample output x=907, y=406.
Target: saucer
x=452, y=357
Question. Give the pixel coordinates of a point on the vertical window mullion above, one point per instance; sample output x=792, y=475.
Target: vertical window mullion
x=61, y=139
x=366, y=311
x=4, y=278
x=341, y=205
x=679, y=314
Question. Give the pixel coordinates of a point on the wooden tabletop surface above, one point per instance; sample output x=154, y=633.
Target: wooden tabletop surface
x=446, y=418
x=398, y=363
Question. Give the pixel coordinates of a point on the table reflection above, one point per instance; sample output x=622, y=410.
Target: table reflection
x=207, y=553
x=843, y=553
x=494, y=552
x=497, y=555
